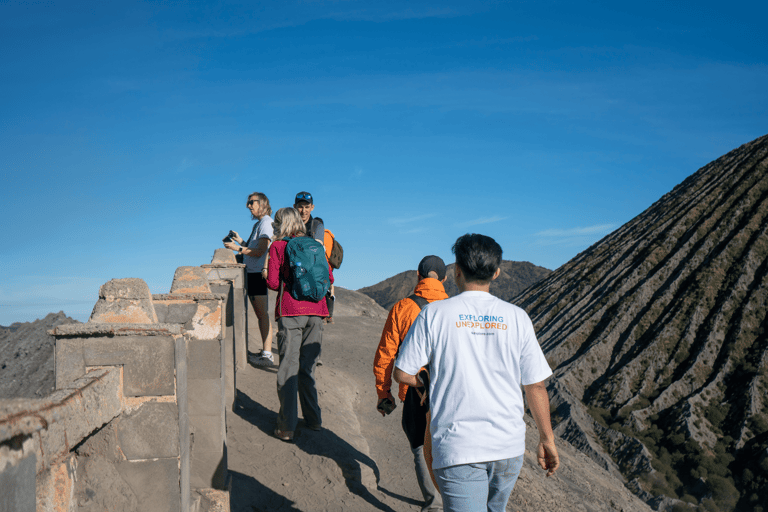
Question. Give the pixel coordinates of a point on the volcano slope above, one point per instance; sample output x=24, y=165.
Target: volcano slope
x=26, y=357
x=658, y=336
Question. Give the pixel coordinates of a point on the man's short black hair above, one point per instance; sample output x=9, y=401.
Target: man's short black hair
x=478, y=256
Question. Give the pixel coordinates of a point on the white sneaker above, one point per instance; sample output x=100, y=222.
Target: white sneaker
x=262, y=360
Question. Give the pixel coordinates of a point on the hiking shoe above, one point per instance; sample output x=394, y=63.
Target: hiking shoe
x=315, y=426
x=329, y=320
x=262, y=360
x=284, y=435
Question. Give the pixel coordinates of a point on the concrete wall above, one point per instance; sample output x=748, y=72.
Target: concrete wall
x=138, y=420
x=134, y=462
x=227, y=277
x=37, y=436
x=201, y=313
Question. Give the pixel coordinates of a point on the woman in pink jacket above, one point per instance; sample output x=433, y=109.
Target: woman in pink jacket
x=299, y=334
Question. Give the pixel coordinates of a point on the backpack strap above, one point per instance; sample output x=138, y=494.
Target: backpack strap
x=253, y=232
x=313, y=226
x=423, y=393
x=420, y=301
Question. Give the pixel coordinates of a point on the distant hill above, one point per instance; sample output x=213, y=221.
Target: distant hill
x=515, y=277
x=352, y=303
x=660, y=330
x=26, y=357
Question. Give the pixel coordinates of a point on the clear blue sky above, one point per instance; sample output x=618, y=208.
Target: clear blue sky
x=132, y=132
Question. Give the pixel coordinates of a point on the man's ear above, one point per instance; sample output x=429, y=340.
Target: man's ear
x=496, y=274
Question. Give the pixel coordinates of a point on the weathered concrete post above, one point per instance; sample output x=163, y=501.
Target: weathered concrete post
x=193, y=306
x=136, y=461
x=227, y=277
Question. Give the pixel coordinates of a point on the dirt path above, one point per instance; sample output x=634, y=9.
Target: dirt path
x=355, y=463
x=361, y=461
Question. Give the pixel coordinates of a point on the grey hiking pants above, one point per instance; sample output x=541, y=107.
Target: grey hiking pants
x=415, y=425
x=432, y=499
x=298, y=343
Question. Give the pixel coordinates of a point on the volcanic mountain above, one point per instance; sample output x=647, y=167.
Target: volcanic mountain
x=659, y=330
x=515, y=277
x=26, y=357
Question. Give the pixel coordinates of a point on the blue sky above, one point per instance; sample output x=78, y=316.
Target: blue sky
x=132, y=132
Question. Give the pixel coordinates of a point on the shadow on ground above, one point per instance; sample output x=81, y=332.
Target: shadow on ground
x=323, y=443
x=247, y=491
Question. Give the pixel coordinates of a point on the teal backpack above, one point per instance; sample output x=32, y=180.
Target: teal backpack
x=309, y=268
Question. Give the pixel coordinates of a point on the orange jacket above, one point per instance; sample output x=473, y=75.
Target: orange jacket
x=400, y=318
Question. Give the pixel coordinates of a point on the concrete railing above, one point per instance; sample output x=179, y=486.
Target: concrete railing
x=138, y=418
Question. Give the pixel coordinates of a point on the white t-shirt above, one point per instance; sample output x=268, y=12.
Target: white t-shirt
x=480, y=350
x=262, y=229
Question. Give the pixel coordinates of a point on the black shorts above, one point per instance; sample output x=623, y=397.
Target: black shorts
x=256, y=284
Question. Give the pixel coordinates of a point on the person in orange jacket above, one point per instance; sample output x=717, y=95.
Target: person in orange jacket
x=431, y=273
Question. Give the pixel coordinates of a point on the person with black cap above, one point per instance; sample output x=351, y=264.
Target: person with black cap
x=431, y=274
x=305, y=204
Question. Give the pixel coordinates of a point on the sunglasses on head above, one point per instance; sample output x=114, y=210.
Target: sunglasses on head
x=304, y=197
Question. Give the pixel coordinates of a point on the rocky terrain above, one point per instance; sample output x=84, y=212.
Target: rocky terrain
x=658, y=334
x=515, y=277
x=26, y=357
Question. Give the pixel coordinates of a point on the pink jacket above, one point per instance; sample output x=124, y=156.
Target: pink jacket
x=279, y=271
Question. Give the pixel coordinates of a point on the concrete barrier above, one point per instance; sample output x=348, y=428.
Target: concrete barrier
x=227, y=277
x=138, y=418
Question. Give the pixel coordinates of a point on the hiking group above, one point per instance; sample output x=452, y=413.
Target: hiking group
x=462, y=363
x=294, y=255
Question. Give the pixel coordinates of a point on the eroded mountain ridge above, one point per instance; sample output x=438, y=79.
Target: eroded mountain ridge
x=659, y=330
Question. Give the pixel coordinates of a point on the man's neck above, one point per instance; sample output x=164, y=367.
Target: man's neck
x=475, y=286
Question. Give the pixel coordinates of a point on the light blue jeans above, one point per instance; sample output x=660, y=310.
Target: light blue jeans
x=480, y=486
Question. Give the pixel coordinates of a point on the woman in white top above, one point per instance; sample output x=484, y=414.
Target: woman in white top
x=254, y=251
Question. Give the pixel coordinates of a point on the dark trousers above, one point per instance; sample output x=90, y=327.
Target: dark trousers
x=414, y=418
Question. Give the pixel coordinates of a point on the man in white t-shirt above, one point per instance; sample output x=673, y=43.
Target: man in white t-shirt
x=480, y=351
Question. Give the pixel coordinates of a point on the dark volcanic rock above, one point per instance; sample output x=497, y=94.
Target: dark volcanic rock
x=515, y=277
x=660, y=330
x=26, y=357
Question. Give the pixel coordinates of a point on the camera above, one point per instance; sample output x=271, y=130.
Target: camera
x=229, y=236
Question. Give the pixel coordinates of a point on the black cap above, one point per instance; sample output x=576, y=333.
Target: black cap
x=432, y=264
x=303, y=196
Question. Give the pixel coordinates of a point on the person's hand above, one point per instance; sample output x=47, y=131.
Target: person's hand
x=386, y=405
x=264, y=273
x=548, y=457
x=232, y=246
x=236, y=237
